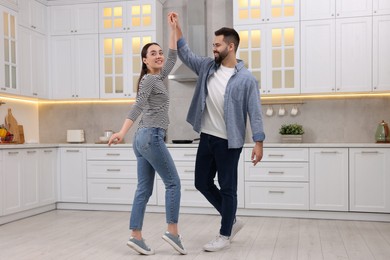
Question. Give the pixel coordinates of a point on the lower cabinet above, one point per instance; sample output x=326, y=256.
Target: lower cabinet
x=112, y=176
x=28, y=182
x=369, y=182
x=1, y=183
x=73, y=175
x=329, y=179
x=279, y=181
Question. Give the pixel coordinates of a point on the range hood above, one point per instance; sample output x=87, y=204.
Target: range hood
x=195, y=33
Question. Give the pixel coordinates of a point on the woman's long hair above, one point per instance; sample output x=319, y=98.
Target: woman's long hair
x=144, y=69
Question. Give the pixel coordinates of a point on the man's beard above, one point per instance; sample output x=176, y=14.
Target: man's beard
x=221, y=56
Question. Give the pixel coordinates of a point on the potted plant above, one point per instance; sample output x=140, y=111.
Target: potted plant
x=291, y=133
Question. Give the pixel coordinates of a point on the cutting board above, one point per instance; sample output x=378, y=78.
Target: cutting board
x=12, y=126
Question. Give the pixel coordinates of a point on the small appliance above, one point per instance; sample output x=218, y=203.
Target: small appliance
x=75, y=136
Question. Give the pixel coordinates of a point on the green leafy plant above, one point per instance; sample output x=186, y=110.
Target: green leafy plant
x=291, y=129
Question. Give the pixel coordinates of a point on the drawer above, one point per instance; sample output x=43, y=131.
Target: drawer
x=190, y=196
x=186, y=170
x=277, y=195
x=115, y=191
x=281, y=155
x=183, y=154
x=277, y=171
x=112, y=169
x=120, y=154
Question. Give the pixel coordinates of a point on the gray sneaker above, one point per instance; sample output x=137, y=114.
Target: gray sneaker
x=140, y=246
x=237, y=226
x=175, y=242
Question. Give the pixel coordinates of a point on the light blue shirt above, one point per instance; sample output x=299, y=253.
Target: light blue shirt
x=242, y=97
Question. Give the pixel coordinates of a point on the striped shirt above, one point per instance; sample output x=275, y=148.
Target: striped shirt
x=153, y=97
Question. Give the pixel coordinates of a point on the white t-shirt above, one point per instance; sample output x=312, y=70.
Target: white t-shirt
x=213, y=122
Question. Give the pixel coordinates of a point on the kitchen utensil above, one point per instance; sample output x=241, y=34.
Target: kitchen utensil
x=185, y=141
x=108, y=133
x=270, y=111
x=382, y=133
x=21, y=134
x=294, y=110
x=104, y=139
x=282, y=111
x=12, y=126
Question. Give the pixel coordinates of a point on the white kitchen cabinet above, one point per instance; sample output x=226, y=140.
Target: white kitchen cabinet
x=329, y=179
x=8, y=52
x=280, y=181
x=74, y=66
x=47, y=170
x=129, y=16
x=73, y=175
x=255, y=12
x=271, y=53
x=190, y=197
x=325, y=9
x=381, y=7
x=342, y=43
x=120, y=62
x=33, y=58
x=112, y=176
x=369, y=179
x=30, y=178
x=381, y=53
x=12, y=179
x=1, y=183
x=74, y=19
x=33, y=15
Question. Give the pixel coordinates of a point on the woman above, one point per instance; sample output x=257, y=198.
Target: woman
x=149, y=147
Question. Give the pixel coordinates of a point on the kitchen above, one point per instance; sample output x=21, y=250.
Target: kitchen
x=328, y=119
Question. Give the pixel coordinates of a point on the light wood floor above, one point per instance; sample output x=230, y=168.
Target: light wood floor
x=66, y=234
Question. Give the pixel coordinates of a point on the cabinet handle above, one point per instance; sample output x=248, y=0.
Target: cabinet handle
x=113, y=170
x=113, y=154
x=190, y=189
x=47, y=151
x=3, y=89
x=369, y=152
x=31, y=151
x=113, y=188
x=189, y=154
x=274, y=172
x=276, y=155
x=276, y=191
x=333, y=152
x=72, y=151
x=12, y=153
x=189, y=171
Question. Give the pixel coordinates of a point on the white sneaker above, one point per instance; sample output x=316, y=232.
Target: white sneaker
x=237, y=226
x=219, y=243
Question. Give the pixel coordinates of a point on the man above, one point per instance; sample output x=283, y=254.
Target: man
x=225, y=94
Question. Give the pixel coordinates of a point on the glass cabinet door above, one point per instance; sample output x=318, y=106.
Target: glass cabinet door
x=8, y=61
x=141, y=15
x=112, y=17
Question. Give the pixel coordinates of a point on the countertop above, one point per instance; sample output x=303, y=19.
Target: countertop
x=195, y=145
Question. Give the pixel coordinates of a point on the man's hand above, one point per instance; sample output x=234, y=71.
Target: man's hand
x=257, y=153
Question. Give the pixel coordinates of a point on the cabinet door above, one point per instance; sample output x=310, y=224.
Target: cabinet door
x=141, y=15
x=11, y=189
x=318, y=56
x=1, y=183
x=353, y=8
x=319, y=9
x=369, y=179
x=33, y=15
x=381, y=52
x=381, y=7
x=47, y=176
x=354, y=54
x=62, y=70
x=73, y=175
x=8, y=52
x=74, y=19
x=86, y=66
x=30, y=178
x=32, y=48
x=329, y=179
x=112, y=17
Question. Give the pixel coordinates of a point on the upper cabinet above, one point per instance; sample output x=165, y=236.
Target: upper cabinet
x=256, y=11
x=381, y=7
x=125, y=27
x=129, y=16
x=8, y=52
x=74, y=19
x=381, y=53
x=325, y=9
x=33, y=15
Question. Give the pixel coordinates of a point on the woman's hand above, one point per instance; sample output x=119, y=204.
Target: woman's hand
x=115, y=138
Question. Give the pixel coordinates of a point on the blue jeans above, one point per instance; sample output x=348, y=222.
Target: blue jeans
x=152, y=155
x=214, y=156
